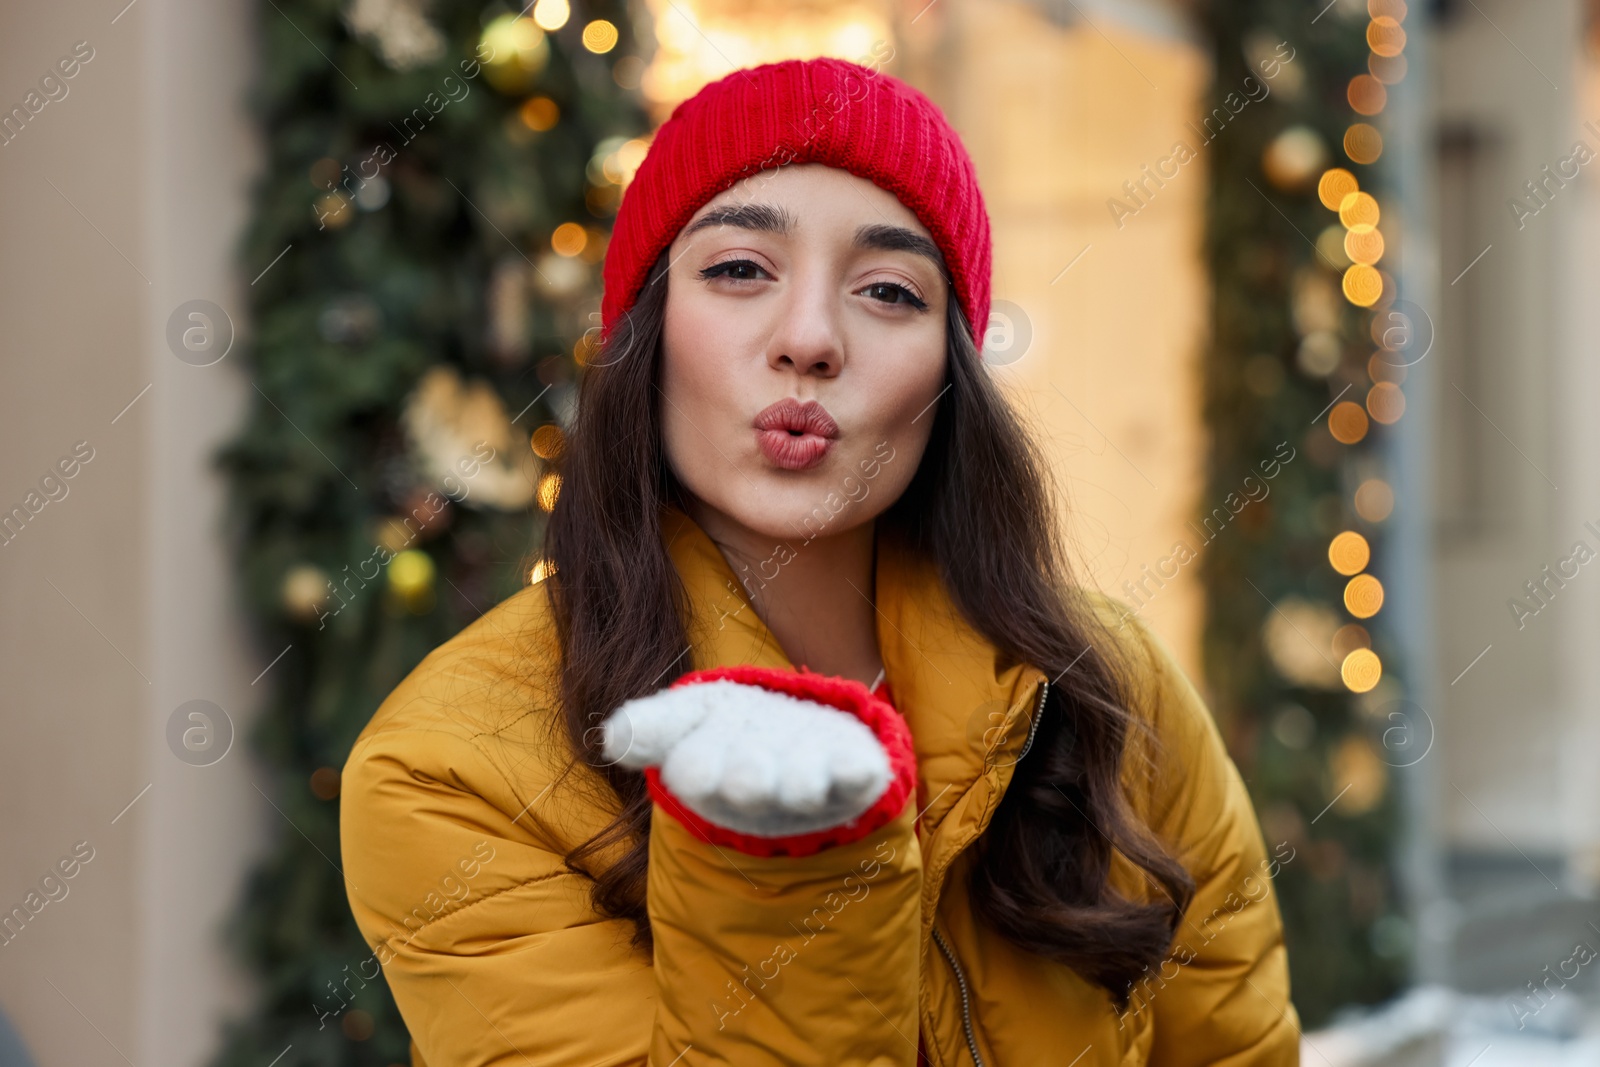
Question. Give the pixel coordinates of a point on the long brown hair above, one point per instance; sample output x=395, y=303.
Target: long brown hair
x=980, y=508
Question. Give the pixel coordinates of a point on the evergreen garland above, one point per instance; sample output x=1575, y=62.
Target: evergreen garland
x=1294, y=742
x=413, y=182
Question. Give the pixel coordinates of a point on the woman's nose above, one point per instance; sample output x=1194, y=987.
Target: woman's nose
x=807, y=336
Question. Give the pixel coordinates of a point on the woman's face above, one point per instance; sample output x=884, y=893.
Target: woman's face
x=802, y=353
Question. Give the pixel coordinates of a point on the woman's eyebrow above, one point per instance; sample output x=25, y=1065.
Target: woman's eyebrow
x=898, y=239
x=768, y=219
x=760, y=217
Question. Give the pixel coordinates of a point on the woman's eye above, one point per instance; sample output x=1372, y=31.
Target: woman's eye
x=740, y=270
x=890, y=293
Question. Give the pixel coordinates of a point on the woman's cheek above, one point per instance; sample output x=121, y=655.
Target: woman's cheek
x=686, y=451
x=699, y=403
x=911, y=388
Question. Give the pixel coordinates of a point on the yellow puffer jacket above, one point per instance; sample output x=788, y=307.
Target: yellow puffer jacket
x=454, y=825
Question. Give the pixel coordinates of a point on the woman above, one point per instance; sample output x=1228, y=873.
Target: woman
x=789, y=470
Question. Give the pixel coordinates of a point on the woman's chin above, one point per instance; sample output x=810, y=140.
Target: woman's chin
x=792, y=506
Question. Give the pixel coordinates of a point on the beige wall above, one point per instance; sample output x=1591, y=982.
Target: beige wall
x=118, y=608
x=1057, y=118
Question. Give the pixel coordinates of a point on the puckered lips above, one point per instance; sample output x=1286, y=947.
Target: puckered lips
x=795, y=435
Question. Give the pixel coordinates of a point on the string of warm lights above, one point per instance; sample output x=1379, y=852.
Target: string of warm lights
x=1368, y=287
x=519, y=47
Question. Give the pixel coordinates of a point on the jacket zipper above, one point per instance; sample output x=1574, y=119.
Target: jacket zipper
x=966, y=1002
x=1038, y=715
x=961, y=978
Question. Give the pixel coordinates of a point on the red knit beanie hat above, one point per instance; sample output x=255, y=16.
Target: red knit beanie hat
x=804, y=111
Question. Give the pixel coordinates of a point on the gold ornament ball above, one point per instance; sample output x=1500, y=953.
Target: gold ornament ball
x=518, y=51
x=305, y=591
x=1357, y=765
x=333, y=209
x=357, y=1025
x=1331, y=246
x=539, y=113
x=1293, y=158
x=411, y=575
x=1319, y=354
x=325, y=783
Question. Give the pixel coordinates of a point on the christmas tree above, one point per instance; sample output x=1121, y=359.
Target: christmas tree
x=1302, y=375
x=438, y=188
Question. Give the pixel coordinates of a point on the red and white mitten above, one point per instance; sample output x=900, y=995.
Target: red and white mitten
x=770, y=762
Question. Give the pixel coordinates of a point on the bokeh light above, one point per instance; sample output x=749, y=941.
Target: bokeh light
x=1347, y=422
x=1363, y=143
x=1363, y=246
x=1366, y=95
x=1374, y=500
x=1362, y=285
x=1386, y=403
x=1385, y=36
x=600, y=36
x=569, y=239
x=1349, y=553
x=551, y=14
x=549, y=489
x=1357, y=209
x=1336, y=184
x=548, y=442
x=539, y=113
x=1363, y=596
x=1361, y=670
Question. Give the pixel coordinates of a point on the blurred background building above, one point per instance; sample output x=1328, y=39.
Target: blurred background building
x=1298, y=298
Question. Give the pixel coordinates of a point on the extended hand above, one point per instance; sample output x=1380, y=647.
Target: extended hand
x=751, y=759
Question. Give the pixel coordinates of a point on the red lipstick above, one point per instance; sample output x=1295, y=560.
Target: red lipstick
x=795, y=435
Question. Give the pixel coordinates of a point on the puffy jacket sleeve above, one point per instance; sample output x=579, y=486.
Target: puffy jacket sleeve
x=1221, y=999
x=778, y=961
x=484, y=936
x=453, y=826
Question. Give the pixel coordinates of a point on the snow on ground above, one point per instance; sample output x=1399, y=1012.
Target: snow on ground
x=1435, y=1027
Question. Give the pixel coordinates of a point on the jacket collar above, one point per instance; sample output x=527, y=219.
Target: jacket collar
x=968, y=708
